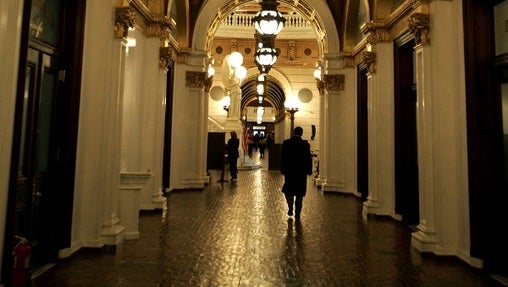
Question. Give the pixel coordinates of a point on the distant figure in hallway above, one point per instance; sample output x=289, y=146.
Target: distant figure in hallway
x=262, y=147
x=295, y=165
x=233, y=155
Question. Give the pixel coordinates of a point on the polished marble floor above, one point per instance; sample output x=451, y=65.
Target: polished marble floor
x=238, y=234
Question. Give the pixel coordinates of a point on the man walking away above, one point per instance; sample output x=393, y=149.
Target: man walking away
x=233, y=154
x=296, y=165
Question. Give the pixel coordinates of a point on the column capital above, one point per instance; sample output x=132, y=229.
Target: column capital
x=320, y=86
x=208, y=83
x=369, y=58
x=161, y=27
x=348, y=61
x=166, y=56
x=124, y=19
x=195, y=79
x=375, y=32
x=334, y=83
x=419, y=25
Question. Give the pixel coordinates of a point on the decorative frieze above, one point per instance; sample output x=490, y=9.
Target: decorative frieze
x=124, y=19
x=419, y=25
x=334, y=83
x=369, y=59
x=161, y=28
x=349, y=61
x=195, y=79
x=166, y=56
x=375, y=32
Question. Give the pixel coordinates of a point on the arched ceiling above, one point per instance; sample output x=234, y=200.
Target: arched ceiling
x=273, y=97
x=199, y=24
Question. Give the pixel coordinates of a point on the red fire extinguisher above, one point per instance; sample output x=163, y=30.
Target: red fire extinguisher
x=21, y=268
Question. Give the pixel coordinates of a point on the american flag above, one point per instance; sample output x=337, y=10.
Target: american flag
x=245, y=137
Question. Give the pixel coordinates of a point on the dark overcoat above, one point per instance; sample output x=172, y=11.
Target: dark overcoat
x=295, y=165
x=232, y=148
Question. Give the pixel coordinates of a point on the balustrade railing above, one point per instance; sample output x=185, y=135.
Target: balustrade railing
x=245, y=21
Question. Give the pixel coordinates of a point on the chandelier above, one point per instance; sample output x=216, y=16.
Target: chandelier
x=269, y=21
x=266, y=54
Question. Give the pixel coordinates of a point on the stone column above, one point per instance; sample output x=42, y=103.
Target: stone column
x=11, y=11
x=379, y=60
x=348, y=139
x=323, y=111
x=444, y=226
x=331, y=89
x=152, y=99
x=112, y=231
x=425, y=238
x=188, y=127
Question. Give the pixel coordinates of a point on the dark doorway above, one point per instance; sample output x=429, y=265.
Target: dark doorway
x=45, y=131
x=216, y=149
x=487, y=190
x=406, y=152
x=362, y=134
x=168, y=130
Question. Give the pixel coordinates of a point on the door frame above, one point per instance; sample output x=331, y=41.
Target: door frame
x=362, y=156
x=406, y=142
x=66, y=138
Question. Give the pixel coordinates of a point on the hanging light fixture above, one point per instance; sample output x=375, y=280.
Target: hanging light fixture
x=269, y=21
x=260, y=87
x=266, y=56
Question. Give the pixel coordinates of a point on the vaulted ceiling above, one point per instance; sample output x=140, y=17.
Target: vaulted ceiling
x=348, y=15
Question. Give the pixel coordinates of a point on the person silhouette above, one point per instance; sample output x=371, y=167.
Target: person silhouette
x=233, y=154
x=295, y=165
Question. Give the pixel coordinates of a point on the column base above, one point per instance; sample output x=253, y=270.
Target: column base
x=423, y=240
x=112, y=234
x=369, y=207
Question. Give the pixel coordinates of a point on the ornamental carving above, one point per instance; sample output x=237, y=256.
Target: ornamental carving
x=419, y=25
x=124, y=19
x=320, y=86
x=375, y=33
x=167, y=55
x=334, y=83
x=162, y=28
x=369, y=59
x=208, y=84
x=349, y=61
x=195, y=79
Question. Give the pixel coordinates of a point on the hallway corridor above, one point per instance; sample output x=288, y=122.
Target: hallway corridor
x=238, y=234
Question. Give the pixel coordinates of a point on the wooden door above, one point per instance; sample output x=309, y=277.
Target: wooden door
x=38, y=155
